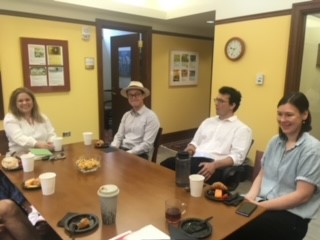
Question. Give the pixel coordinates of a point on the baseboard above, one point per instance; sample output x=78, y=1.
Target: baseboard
x=176, y=136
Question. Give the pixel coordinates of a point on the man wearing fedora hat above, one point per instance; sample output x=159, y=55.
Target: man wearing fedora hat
x=139, y=126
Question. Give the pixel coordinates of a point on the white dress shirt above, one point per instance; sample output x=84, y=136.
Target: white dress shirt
x=218, y=139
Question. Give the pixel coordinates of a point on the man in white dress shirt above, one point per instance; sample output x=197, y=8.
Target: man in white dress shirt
x=220, y=141
x=139, y=126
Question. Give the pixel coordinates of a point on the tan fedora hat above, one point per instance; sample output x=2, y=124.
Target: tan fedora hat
x=135, y=85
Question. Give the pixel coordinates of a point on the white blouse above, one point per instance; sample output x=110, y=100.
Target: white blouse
x=22, y=135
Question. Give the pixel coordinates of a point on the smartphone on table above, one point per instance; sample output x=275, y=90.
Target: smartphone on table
x=246, y=208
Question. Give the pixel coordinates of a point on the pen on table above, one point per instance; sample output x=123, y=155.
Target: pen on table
x=121, y=236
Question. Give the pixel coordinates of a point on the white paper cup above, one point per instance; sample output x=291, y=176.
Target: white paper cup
x=48, y=182
x=196, y=185
x=57, y=143
x=27, y=161
x=108, y=195
x=87, y=138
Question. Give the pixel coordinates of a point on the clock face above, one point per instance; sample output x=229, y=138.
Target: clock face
x=234, y=49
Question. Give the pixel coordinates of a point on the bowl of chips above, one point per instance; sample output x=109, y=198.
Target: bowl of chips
x=88, y=164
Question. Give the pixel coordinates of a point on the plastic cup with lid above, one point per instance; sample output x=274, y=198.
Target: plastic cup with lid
x=108, y=195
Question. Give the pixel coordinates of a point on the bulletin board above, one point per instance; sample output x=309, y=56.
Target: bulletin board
x=45, y=65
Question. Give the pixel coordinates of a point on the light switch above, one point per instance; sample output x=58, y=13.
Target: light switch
x=260, y=79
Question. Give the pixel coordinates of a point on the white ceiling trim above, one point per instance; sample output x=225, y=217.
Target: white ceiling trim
x=168, y=9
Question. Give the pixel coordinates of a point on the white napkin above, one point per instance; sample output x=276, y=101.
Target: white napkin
x=147, y=232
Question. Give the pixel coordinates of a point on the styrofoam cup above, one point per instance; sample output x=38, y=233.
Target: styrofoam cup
x=196, y=185
x=57, y=143
x=48, y=183
x=27, y=161
x=87, y=138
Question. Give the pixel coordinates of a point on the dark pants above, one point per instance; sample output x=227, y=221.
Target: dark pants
x=10, y=191
x=195, y=161
x=273, y=225
x=142, y=155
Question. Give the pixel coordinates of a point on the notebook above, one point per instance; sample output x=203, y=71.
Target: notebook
x=40, y=152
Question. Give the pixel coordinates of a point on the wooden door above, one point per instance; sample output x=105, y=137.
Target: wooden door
x=125, y=67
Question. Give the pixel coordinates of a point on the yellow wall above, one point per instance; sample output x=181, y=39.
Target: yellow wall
x=74, y=111
x=77, y=110
x=183, y=107
x=266, y=52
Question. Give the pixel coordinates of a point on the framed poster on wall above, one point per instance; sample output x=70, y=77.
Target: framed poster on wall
x=183, y=68
x=45, y=65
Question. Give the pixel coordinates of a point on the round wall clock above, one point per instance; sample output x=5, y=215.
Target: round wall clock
x=234, y=48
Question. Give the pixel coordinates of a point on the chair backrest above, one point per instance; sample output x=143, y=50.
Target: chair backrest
x=257, y=165
x=156, y=145
x=4, y=144
x=246, y=160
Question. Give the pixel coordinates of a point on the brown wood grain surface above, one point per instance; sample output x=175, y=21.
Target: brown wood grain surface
x=144, y=187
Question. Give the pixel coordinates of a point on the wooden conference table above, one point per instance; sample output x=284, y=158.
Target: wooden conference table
x=144, y=187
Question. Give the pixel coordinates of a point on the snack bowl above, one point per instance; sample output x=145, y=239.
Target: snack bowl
x=87, y=164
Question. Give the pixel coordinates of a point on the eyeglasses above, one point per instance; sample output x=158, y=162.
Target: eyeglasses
x=134, y=95
x=219, y=101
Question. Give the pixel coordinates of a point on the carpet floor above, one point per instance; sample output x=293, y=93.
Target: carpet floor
x=178, y=145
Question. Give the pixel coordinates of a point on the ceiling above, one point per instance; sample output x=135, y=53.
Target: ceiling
x=186, y=15
x=168, y=9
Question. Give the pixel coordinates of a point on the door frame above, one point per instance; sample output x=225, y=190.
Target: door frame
x=146, y=55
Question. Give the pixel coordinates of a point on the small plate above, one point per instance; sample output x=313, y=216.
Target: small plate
x=12, y=169
x=31, y=187
x=75, y=219
x=18, y=162
x=210, y=195
x=200, y=232
x=105, y=145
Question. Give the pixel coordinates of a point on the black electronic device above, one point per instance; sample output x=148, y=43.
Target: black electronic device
x=246, y=208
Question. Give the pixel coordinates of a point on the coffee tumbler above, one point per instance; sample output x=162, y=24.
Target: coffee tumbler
x=108, y=202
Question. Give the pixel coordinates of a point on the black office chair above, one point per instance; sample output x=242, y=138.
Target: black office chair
x=232, y=176
x=156, y=145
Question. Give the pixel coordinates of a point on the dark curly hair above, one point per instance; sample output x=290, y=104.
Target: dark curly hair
x=235, y=96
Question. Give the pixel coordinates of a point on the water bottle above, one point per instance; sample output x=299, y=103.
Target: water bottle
x=182, y=169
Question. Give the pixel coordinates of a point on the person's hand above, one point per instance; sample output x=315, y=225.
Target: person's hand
x=207, y=170
x=50, y=146
x=45, y=145
x=190, y=149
